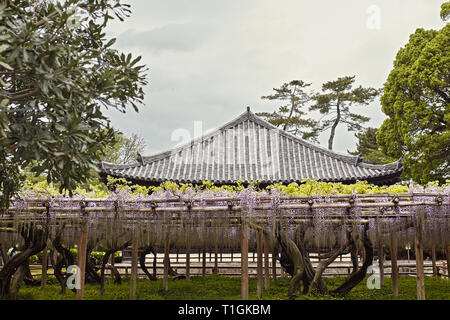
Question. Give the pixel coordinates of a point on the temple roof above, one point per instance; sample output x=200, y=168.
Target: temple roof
x=251, y=149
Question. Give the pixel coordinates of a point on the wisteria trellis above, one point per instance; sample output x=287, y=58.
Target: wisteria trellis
x=214, y=219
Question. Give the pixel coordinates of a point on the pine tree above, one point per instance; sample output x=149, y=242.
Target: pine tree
x=335, y=102
x=290, y=116
x=368, y=147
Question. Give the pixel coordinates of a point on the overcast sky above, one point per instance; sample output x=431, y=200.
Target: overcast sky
x=209, y=59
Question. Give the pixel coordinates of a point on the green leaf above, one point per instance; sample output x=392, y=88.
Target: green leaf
x=6, y=66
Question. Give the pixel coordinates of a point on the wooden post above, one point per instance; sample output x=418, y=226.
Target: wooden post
x=274, y=263
x=204, y=260
x=81, y=253
x=112, y=264
x=259, y=263
x=216, y=260
x=381, y=262
x=448, y=261
x=44, y=253
x=134, y=265
x=266, y=263
x=433, y=260
x=166, y=262
x=188, y=256
x=281, y=269
x=394, y=266
x=188, y=242
x=419, y=255
x=244, y=261
x=274, y=252
x=44, y=267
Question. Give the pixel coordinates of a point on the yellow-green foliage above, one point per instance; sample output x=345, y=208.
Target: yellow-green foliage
x=313, y=187
x=96, y=189
x=308, y=187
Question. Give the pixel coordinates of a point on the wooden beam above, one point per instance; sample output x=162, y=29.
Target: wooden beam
x=244, y=261
x=419, y=255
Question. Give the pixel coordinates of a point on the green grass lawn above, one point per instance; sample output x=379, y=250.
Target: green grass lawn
x=227, y=288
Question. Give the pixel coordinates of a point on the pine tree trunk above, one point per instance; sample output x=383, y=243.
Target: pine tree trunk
x=333, y=127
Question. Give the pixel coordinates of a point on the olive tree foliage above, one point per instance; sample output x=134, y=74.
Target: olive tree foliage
x=416, y=100
x=58, y=70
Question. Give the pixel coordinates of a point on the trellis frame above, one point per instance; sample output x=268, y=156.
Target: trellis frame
x=232, y=207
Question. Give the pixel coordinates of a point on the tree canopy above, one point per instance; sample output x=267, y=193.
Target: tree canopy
x=416, y=100
x=367, y=146
x=58, y=70
x=445, y=10
x=126, y=149
x=290, y=116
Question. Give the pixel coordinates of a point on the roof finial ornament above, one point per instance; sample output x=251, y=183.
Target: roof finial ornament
x=139, y=158
x=248, y=108
x=399, y=163
x=359, y=159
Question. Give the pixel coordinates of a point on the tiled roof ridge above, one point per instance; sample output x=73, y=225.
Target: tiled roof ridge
x=249, y=116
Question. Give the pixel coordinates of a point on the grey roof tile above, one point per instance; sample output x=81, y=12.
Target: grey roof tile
x=250, y=149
